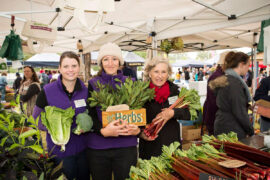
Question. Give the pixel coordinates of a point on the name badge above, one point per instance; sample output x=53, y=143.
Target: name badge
x=268, y=93
x=172, y=99
x=80, y=103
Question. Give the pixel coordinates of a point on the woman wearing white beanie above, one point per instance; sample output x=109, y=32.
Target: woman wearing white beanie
x=111, y=149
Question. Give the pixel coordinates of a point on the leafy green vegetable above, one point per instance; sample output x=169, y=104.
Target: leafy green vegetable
x=191, y=98
x=58, y=122
x=84, y=123
x=134, y=94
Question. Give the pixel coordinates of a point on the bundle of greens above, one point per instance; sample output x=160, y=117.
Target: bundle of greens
x=186, y=99
x=133, y=93
x=84, y=123
x=58, y=122
x=204, y=158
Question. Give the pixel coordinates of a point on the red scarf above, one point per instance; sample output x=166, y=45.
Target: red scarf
x=161, y=93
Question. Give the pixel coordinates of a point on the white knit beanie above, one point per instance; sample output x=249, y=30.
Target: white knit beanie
x=111, y=49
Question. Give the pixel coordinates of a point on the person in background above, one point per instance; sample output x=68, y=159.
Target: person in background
x=29, y=89
x=177, y=77
x=111, y=149
x=200, y=74
x=187, y=76
x=158, y=71
x=3, y=83
x=232, y=97
x=127, y=71
x=263, y=92
x=196, y=74
x=248, y=78
x=67, y=91
x=210, y=107
x=44, y=78
x=49, y=74
x=17, y=82
x=55, y=74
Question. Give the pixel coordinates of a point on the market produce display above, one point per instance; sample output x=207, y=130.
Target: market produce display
x=187, y=99
x=58, y=122
x=204, y=158
x=133, y=93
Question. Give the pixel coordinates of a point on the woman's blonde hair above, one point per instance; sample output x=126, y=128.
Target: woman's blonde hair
x=152, y=63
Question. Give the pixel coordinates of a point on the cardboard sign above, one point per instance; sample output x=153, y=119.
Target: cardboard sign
x=137, y=117
x=263, y=108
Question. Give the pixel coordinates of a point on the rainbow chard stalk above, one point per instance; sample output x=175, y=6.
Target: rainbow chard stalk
x=186, y=99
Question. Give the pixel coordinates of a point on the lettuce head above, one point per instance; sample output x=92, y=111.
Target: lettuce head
x=58, y=122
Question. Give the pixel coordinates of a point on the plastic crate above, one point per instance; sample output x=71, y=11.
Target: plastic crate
x=186, y=122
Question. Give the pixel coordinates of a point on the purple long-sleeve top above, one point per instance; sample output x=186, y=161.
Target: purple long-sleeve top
x=55, y=95
x=210, y=107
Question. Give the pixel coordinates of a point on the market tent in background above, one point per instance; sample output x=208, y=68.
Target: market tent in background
x=133, y=59
x=44, y=60
x=203, y=25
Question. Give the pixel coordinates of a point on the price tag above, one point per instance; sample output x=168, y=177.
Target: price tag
x=172, y=99
x=204, y=176
x=80, y=103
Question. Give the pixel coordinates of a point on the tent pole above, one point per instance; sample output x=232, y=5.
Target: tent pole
x=9, y=16
x=26, y=12
x=254, y=64
x=154, y=46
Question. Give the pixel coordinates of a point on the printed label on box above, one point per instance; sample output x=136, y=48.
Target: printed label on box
x=137, y=117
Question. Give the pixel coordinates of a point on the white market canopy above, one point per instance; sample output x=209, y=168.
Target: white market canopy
x=202, y=24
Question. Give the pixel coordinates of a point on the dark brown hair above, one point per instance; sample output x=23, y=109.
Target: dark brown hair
x=232, y=59
x=69, y=54
x=34, y=77
x=4, y=74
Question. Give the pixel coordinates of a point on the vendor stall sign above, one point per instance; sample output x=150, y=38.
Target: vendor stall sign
x=137, y=117
x=263, y=108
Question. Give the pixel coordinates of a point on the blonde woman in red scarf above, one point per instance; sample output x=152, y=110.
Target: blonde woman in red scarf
x=158, y=71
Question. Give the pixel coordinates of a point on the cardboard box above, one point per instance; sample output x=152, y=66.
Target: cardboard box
x=263, y=108
x=186, y=145
x=135, y=116
x=191, y=133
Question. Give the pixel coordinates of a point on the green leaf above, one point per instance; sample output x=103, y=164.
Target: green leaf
x=3, y=140
x=11, y=126
x=13, y=146
x=33, y=156
x=23, y=141
x=22, y=120
x=24, y=178
x=57, y=168
x=37, y=148
x=28, y=133
x=4, y=128
x=61, y=177
x=41, y=177
x=18, y=99
x=31, y=120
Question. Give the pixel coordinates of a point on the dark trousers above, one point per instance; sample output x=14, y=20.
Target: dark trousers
x=75, y=167
x=104, y=162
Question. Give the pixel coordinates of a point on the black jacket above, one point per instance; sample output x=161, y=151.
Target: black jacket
x=232, y=103
x=17, y=83
x=171, y=130
x=263, y=92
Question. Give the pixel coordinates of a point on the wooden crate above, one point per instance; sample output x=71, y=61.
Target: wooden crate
x=191, y=133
